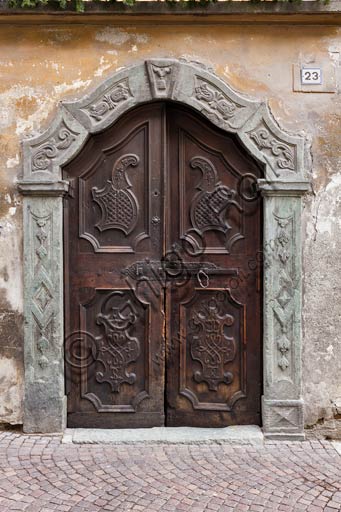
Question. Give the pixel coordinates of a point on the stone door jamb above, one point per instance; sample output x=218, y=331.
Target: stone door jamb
x=282, y=187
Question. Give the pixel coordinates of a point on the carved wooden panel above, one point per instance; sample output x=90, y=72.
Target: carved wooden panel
x=117, y=379
x=114, y=199
x=212, y=325
x=118, y=204
x=212, y=189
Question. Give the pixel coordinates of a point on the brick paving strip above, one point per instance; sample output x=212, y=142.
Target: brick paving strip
x=40, y=474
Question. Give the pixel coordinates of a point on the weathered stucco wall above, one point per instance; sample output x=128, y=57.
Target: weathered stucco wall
x=41, y=65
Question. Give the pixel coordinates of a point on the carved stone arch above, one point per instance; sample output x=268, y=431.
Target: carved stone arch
x=43, y=187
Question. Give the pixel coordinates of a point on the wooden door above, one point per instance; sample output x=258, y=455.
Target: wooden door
x=162, y=275
x=113, y=218
x=213, y=314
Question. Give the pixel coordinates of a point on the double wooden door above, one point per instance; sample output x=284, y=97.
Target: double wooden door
x=162, y=231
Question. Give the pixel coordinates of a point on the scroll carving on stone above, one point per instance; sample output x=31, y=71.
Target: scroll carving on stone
x=209, y=344
x=162, y=75
x=118, y=204
x=119, y=93
x=280, y=153
x=44, y=155
x=283, y=305
x=117, y=348
x=210, y=205
x=216, y=105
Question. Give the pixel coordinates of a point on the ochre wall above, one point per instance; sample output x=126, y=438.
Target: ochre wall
x=41, y=65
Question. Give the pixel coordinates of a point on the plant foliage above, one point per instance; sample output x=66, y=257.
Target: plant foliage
x=80, y=5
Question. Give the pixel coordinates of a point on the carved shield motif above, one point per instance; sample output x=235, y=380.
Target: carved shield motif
x=117, y=202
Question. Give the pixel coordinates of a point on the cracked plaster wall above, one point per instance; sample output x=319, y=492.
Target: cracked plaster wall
x=41, y=65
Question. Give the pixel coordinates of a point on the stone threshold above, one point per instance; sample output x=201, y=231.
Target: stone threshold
x=237, y=435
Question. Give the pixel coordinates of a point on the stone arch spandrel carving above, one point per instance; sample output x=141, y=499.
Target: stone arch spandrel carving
x=282, y=155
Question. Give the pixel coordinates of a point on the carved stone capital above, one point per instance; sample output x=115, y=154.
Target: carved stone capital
x=43, y=188
x=283, y=188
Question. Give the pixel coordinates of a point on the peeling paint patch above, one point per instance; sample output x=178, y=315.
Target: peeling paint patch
x=17, y=101
x=11, y=386
x=104, y=65
x=112, y=35
x=117, y=36
x=12, y=162
x=11, y=281
x=76, y=84
x=142, y=38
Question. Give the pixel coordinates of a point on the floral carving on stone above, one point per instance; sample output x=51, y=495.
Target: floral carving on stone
x=217, y=106
x=117, y=94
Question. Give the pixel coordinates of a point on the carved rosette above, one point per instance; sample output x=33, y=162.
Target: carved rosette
x=284, y=299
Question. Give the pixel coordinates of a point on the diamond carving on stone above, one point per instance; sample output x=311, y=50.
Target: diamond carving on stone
x=283, y=306
x=118, y=204
x=43, y=297
x=43, y=301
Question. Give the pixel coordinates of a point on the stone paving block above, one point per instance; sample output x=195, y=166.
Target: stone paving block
x=274, y=477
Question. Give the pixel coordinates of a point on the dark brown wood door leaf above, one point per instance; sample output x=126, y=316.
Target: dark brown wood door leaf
x=162, y=233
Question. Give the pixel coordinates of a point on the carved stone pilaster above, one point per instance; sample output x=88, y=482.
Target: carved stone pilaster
x=282, y=402
x=44, y=406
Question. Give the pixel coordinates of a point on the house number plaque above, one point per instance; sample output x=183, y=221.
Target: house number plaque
x=311, y=76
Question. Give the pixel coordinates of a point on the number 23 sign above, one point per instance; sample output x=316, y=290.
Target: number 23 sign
x=311, y=76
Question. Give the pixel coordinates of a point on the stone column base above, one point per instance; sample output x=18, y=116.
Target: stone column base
x=40, y=415
x=283, y=419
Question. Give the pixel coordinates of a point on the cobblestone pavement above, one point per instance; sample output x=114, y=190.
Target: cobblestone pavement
x=38, y=473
